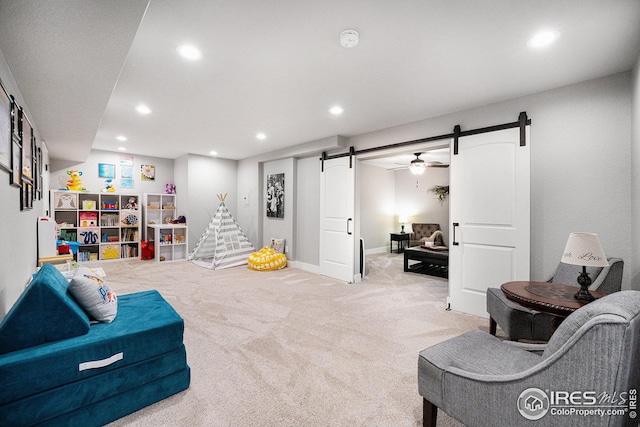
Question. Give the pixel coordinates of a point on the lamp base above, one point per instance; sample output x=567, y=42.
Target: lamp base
x=584, y=295
x=402, y=230
x=584, y=281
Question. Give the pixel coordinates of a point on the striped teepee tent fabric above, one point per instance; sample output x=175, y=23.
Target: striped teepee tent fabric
x=223, y=243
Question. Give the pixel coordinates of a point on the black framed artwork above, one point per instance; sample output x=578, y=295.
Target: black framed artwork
x=27, y=148
x=26, y=194
x=39, y=187
x=275, y=195
x=15, y=117
x=16, y=162
x=5, y=129
x=34, y=163
x=29, y=196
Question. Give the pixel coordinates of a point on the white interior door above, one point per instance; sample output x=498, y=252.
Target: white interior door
x=337, y=213
x=490, y=216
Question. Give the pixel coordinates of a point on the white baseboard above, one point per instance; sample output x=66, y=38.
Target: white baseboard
x=304, y=266
x=379, y=250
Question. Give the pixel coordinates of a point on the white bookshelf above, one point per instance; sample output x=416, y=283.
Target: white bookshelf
x=169, y=241
x=158, y=208
x=105, y=225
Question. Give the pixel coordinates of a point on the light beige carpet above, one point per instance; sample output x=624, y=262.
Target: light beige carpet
x=291, y=348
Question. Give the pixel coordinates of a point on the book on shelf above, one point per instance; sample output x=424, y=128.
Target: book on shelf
x=129, y=251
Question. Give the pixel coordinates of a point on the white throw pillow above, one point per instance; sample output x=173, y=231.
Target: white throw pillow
x=93, y=295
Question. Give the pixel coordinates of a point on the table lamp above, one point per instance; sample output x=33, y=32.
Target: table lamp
x=584, y=249
x=402, y=220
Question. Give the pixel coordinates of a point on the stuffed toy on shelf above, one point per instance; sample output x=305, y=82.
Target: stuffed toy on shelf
x=74, y=182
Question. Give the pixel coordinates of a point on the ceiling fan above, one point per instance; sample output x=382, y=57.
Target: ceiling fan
x=418, y=166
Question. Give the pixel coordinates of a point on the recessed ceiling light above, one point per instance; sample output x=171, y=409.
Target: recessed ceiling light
x=261, y=136
x=121, y=138
x=122, y=149
x=349, y=38
x=189, y=52
x=337, y=110
x=543, y=38
x=213, y=153
x=143, y=109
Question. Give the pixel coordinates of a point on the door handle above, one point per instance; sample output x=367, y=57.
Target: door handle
x=454, y=243
x=348, y=221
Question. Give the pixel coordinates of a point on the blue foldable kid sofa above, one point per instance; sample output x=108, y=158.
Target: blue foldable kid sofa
x=58, y=368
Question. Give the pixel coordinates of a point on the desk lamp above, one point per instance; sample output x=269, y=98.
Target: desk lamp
x=584, y=249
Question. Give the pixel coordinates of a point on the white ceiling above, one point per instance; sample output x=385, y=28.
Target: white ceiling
x=277, y=66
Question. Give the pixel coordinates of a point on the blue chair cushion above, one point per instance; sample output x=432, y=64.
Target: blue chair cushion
x=45, y=312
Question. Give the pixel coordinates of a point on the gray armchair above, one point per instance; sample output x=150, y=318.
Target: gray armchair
x=482, y=381
x=519, y=322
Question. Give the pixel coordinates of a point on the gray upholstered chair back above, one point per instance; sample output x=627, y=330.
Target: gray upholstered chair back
x=606, y=280
x=614, y=320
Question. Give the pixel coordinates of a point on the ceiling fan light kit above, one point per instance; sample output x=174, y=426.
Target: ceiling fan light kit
x=417, y=165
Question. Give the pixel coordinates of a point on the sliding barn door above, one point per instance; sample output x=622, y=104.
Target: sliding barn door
x=490, y=216
x=337, y=212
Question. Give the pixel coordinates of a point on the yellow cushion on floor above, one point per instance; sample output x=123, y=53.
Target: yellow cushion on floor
x=266, y=259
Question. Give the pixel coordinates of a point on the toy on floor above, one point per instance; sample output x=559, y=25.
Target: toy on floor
x=266, y=259
x=74, y=182
x=109, y=188
x=147, y=250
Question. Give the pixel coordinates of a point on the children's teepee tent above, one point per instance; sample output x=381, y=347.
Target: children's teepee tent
x=223, y=243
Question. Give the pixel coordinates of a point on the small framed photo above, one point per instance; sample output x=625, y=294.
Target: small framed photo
x=16, y=162
x=39, y=182
x=26, y=201
x=5, y=129
x=106, y=170
x=27, y=149
x=147, y=172
x=29, y=196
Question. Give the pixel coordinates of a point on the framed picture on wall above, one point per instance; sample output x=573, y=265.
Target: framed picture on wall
x=27, y=149
x=16, y=162
x=5, y=129
x=106, y=170
x=275, y=195
x=39, y=182
x=26, y=202
x=34, y=162
x=29, y=196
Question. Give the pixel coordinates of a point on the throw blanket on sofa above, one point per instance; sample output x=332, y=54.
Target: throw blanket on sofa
x=436, y=238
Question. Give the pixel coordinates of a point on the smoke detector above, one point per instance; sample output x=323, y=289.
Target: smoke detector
x=349, y=38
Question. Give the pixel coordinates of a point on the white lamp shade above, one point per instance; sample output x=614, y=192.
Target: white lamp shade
x=403, y=219
x=584, y=249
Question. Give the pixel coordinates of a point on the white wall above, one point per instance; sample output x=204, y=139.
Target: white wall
x=414, y=199
x=18, y=254
x=580, y=162
x=307, y=236
x=206, y=178
x=378, y=213
x=181, y=181
x=93, y=183
x=250, y=190
x=633, y=265
x=283, y=228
